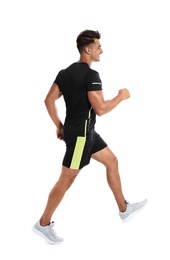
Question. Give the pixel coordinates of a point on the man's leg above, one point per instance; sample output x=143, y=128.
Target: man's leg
x=107, y=158
x=65, y=180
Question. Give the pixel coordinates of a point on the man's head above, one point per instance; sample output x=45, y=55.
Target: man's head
x=85, y=38
x=88, y=43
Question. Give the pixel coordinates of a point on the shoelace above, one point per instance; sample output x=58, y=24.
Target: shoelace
x=53, y=230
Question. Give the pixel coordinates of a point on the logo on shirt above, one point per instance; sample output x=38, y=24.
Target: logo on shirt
x=98, y=83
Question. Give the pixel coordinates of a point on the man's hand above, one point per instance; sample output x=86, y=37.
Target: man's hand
x=124, y=93
x=59, y=132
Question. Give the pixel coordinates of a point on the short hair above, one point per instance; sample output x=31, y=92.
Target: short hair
x=85, y=38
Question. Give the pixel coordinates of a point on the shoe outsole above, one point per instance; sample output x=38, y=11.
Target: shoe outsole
x=46, y=238
x=133, y=214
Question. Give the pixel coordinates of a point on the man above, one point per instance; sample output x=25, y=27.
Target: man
x=81, y=88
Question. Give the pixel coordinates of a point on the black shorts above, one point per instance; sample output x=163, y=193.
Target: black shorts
x=80, y=148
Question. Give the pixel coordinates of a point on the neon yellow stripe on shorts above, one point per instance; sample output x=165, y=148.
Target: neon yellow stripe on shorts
x=78, y=152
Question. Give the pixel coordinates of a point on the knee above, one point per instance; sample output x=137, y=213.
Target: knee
x=113, y=163
x=66, y=180
x=115, y=160
x=70, y=181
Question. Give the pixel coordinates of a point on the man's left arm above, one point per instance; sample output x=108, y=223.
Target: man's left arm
x=54, y=94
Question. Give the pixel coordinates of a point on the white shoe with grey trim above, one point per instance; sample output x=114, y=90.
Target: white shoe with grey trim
x=132, y=209
x=47, y=232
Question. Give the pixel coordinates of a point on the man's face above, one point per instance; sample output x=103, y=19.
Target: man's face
x=95, y=50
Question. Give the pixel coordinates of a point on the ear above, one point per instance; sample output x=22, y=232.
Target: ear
x=87, y=50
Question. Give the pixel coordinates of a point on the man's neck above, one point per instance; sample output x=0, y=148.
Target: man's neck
x=86, y=60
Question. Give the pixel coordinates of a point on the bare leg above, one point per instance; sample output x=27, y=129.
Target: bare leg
x=57, y=193
x=106, y=157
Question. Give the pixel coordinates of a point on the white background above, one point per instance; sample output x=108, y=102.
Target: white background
x=38, y=38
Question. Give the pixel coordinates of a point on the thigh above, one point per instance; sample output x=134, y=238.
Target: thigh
x=68, y=174
x=104, y=156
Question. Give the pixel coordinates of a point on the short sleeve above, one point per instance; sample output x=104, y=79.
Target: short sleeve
x=58, y=77
x=93, y=81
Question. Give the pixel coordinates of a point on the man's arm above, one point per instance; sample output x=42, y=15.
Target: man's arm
x=102, y=106
x=54, y=94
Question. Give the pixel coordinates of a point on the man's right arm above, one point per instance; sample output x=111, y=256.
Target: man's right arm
x=102, y=106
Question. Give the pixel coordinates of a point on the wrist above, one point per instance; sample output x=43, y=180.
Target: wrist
x=119, y=98
x=59, y=125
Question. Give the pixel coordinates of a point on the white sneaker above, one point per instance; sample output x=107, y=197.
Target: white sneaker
x=47, y=232
x=132, y=209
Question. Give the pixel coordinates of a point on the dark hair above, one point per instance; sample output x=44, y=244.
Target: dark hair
x=85, y=38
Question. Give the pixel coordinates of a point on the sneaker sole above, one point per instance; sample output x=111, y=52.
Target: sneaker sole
x=46, y=238
x=133, y=214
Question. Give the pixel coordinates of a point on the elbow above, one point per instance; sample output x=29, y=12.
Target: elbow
x=99, y=112
x=47, y=100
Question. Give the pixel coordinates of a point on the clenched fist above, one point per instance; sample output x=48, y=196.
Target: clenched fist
x=124, y=93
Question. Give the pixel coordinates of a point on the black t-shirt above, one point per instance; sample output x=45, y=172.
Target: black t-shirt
x=74, y=82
